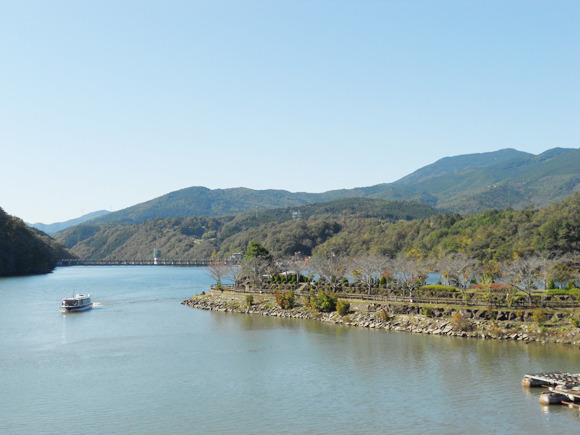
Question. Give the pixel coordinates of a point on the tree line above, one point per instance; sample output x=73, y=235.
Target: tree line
x=377, y=272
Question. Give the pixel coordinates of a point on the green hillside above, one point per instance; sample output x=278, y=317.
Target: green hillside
x=539, y=180
x=459, y=164
x=490, y=235
x=26, y=251
x=198, y=237
x=201, y=201
x=461, y=184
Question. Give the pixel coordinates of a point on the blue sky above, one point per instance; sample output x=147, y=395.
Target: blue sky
x=106, y=104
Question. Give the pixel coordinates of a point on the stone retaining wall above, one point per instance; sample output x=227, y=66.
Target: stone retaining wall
x=407, y=319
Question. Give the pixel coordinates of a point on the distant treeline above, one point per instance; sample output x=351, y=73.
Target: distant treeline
x=347, y=228
x=26, y=251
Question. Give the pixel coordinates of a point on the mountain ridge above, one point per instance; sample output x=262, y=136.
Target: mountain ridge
x=58, y=226
x=461, y=184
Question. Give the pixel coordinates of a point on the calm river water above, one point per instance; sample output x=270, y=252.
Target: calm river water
x=139, y=362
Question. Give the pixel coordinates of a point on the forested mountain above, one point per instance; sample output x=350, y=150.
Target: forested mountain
x=201, y=201
x=59, y=226
x=490, y=235
x=197, y=237
x=459, y=164
x=26, y=251
x=539, y=180
x=462, y=184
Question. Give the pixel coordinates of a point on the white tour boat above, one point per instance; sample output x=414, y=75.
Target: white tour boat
x=77, y=303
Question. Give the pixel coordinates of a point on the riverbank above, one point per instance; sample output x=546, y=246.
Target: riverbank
x=359, y=316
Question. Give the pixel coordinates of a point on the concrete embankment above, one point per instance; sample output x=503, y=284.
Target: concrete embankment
x=265, y=306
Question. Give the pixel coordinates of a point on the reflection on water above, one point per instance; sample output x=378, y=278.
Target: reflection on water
x=155, y=366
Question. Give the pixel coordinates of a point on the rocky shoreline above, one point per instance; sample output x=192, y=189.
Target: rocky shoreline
x=414, y=323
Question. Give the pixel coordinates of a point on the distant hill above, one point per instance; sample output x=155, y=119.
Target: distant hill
x=201, y=201
x=461, y=184
x=198, y=237
x=540, y=180
x=53, y=228
x=27, y=251
x=458, y=164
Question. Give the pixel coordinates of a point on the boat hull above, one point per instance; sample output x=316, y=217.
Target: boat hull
x=83, y=308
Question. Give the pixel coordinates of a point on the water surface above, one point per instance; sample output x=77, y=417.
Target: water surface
x=139, y=362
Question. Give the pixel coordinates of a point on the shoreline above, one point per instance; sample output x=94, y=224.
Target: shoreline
x=265, y=305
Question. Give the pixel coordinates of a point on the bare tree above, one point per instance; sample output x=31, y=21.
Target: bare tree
x=457, y=269
x=464, y=271
x=407, y=272
x=255, y=268
x=297, y=265
x=369, y=268
x=330, y=269
x=523, y=274
x=547, y=260
x=562, y=271
x=217, y=270
x=234, y=273
x=446, y=268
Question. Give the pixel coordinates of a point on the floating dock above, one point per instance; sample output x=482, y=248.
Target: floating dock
x=563, y=388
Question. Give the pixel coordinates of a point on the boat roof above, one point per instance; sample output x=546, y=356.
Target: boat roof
x=77, y=297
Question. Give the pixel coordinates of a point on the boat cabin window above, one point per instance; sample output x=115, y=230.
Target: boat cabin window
x=73, y=303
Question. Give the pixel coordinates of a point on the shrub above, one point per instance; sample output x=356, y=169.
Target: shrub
x=427, y=312
x=384, y=315
x=342, y=307
x=564, y=291
x=574, y=322
x=551, y=284
x=459, y=322
x=286, y=301
x=219, y=287
x=539, y=316
x=249, y=300
x=436, y=288
x=325, y=302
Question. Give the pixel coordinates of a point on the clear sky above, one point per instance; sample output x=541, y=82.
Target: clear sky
x=106, y=104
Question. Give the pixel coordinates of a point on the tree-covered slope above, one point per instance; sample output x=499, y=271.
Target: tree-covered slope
x=490, y=235
x=539, y=180
x=197, y=237
x=459, y=164
x=26, y=251
x=201, y=201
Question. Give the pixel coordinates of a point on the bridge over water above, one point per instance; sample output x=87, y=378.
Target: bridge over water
x=149, y=262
